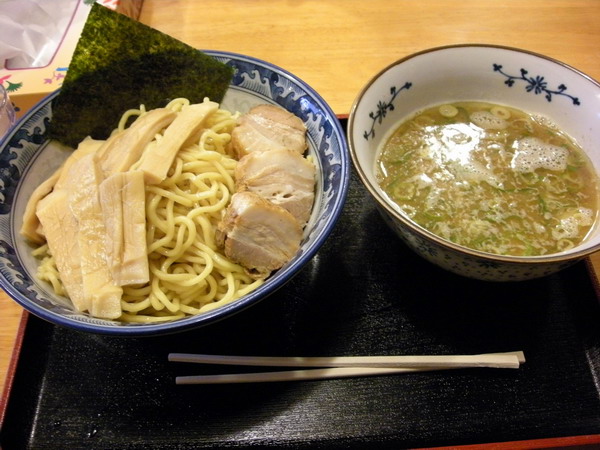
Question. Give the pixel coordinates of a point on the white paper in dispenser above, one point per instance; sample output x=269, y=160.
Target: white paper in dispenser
x=31, y=30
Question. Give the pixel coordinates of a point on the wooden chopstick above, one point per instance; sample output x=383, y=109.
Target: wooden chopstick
x=508, y=360
x=297, y=375
x=340, y=366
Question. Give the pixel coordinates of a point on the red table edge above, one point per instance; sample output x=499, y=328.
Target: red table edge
x=12, y=366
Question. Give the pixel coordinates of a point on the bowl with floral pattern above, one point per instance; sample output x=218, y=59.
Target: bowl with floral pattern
x=563, y=96
x=28, y=157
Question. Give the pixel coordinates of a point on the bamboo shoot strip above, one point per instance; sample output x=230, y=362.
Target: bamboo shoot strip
x=509, y=360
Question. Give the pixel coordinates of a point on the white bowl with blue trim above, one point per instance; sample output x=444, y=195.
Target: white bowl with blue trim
x=27, y=158
x=474, y=72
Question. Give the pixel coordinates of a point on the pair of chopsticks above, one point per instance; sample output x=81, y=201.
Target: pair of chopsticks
x=339, y=366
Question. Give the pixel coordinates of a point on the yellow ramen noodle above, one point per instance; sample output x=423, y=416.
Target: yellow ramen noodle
x=491, y=178
x=188, y=274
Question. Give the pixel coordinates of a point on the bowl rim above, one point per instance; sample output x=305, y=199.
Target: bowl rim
x=234, y=307
x=423, y=232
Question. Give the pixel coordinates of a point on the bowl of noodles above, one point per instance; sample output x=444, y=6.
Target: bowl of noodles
x=483, y=159
x=179, y=295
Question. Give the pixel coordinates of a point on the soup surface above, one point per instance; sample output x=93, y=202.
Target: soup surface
x=491, y=178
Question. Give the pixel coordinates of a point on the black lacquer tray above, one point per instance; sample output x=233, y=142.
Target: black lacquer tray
x=364, y=293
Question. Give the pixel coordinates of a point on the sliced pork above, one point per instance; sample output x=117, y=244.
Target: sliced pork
x=281, y=176
x=258, y=234
x=268, y=127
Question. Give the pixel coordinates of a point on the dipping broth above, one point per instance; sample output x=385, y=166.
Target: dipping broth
x=491, y=178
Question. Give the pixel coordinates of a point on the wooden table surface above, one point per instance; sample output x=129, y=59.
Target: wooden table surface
x=337, y=45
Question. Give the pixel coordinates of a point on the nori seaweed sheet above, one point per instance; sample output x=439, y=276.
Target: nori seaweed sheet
x=119, y=64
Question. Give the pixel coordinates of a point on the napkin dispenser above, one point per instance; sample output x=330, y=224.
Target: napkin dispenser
x=37, y=41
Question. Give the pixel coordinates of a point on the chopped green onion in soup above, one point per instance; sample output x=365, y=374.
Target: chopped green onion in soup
x=492, y=178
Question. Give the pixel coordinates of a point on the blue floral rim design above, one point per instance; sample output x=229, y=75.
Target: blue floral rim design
x=536, y=84
x=383, y=107
x=268, y=83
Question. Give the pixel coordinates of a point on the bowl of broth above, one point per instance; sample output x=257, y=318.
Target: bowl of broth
x=483, y=159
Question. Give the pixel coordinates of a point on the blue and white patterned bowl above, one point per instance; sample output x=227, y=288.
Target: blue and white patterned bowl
x=518, y=78
x=27, y=158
